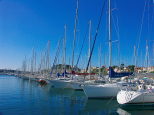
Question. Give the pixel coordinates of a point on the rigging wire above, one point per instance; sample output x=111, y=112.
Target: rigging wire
x=96, y=35
x=75, y=30
x=116, y=26
x=118, y=33
x=81, y=49
x=57, y=54
x=141, y=28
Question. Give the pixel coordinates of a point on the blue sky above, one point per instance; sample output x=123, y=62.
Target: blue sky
x=27, y=24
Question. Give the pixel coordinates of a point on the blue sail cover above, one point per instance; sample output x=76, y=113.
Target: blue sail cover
x=65, y=72
x=58, y=75
x=113, y=74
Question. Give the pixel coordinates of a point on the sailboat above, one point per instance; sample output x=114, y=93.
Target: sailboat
x=61, y=81
x=76, y=84
x=106, y=90
x=144, y=95
x=74, y=81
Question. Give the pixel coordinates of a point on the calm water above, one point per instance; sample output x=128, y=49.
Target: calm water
x=24, y=97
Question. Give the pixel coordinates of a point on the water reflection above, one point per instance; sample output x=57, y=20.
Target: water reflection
x=106, y=106
x=136, y=109
x=26, y=97
x=121, y=111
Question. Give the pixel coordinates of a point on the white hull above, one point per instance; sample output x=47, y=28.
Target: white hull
x=76, y=85
x=101, y=91
x=57, y=83
x=135, y=97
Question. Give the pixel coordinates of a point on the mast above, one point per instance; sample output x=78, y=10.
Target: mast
x=89, y=46
x=135, y=61
x=24, y=65
x=69, y=64
x=110, y=40
x=35, y=62
x=32, y=61
x=41, y=63
x=135, y=57
x=64, y=42
x=48, y=56
x=100, y=61
x=147, y=55
x=75, y=26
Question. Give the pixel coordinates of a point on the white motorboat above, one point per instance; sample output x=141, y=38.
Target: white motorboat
x=143, y=96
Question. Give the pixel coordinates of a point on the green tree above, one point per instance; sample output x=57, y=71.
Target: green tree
x=114, y=66
x=122, y=66
x=131, y=68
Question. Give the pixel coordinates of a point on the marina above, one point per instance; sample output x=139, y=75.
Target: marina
x=73, y=60
x=28, y=97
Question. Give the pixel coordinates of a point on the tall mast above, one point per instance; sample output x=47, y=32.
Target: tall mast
x=35, y=62
x=135, y=61
x=89, y=45
x=100, y=61
x=24, y=65
x=75, y=26
x=41, y=63
x=32, y=61
x=147, y=55
x=64, y=49
x=48, y=56
x=110, y=40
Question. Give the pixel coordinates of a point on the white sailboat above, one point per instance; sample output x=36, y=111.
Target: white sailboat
x=103, y=90
x=63, y=82
x=144, y=95
x=60, y=83
x=67, y=82
x=76, y=84
x=106, y=90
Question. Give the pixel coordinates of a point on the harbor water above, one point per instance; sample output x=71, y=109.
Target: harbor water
x=20, y=96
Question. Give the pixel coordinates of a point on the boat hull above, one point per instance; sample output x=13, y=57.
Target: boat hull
x=135, y=97
x=101, y=91
x=76, y=85
x=60, y=83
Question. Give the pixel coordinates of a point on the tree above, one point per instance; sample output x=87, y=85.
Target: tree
x=114, y=66
x=131, y=68
x=122, y=66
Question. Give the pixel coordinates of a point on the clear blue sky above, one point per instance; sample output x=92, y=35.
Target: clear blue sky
x=27, y=24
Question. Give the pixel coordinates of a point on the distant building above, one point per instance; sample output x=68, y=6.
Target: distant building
x=94, y=67
x=149, y=69
x=139, y=69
